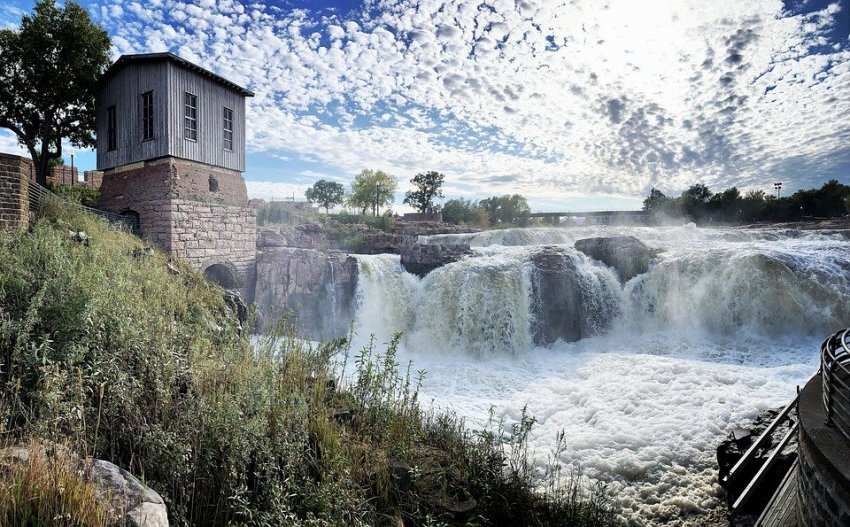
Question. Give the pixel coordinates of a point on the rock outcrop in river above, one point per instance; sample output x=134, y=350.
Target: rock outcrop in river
x=626, y=254
x=421, y=259
x=568, y=304
x=318, y=287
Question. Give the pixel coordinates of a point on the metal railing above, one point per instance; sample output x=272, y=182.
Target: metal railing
x=835, y=378
x=38, y=195
x=763, y=441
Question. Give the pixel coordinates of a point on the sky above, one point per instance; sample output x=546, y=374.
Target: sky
x=577, y=105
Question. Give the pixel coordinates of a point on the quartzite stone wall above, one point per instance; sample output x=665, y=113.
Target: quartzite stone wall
x=197, y=212
x=823, y=482
x=15, y=174
x=204, y=234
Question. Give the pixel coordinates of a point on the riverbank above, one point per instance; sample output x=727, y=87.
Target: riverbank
x=120, y=354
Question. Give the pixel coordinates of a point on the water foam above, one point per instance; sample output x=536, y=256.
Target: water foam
x=724, y=325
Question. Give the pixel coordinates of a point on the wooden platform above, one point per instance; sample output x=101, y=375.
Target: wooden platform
x=781, y=511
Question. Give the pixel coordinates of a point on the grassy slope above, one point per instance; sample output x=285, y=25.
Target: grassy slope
x=106, y=348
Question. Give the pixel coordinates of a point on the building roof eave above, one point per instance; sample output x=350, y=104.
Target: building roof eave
x=125, y=60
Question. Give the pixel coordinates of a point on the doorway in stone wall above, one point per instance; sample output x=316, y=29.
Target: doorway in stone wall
x=131, y=219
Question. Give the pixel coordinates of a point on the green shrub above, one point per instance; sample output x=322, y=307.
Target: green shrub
x=83, y=195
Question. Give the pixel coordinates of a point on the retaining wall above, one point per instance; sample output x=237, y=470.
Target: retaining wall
x=15, y=173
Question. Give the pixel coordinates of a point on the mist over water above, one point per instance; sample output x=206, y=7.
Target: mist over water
x=725, y=324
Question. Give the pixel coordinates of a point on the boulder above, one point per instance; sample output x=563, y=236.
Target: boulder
x=318, y=287
x=565, y=307
x=410, y=226
x=421, y=259
x=626, y=254
x=140, y=505
x=377, y=242
x=309, y=235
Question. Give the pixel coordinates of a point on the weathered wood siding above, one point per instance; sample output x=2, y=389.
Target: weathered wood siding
x=212, y=99
x=169, y=83
x=124, y=91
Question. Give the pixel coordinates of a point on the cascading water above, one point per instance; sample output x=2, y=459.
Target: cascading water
x=644, y=377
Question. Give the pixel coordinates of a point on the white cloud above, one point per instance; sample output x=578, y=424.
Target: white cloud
x=9, y=144
x=276, y=191
x=565, y=99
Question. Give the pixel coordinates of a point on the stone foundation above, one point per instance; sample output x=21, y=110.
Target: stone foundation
x=170, y=178
x=196, y=212
x=205, y=234
x=15, y=173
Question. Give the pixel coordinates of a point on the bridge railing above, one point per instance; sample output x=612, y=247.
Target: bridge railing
x=835, y=379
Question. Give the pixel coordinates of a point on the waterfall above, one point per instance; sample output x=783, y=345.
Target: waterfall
x=505, y=298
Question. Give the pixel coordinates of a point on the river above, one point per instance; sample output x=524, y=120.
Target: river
x=725, y=324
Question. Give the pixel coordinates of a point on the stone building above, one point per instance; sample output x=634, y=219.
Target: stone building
x=171, y=146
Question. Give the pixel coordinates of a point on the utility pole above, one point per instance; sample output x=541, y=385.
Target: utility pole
x=778, y=187
x=73, y=174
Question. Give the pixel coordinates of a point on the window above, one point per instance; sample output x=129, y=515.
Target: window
x=111, y=131
x=147, y=116
x=213, y=184
x=228, y=129
x=190, y=119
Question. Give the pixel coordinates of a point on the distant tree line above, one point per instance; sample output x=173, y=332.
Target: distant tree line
x=699, y=205
x=373, y=189
x=497, y=211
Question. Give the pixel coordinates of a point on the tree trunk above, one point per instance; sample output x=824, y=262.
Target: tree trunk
x=41, y=164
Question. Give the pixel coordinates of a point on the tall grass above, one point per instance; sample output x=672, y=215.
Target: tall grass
x=106, y=348
x=40, y=488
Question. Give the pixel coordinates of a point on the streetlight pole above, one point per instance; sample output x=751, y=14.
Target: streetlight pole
x=73, y=174
x=778, y=187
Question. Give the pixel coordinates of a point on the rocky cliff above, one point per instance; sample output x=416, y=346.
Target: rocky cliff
x=317, y=286
x=305, y=269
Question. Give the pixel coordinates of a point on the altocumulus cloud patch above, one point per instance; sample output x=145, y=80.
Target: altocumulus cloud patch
x=567, y=98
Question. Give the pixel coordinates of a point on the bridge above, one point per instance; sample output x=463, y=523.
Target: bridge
x=603, y=217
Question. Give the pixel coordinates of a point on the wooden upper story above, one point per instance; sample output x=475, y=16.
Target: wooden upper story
x=156, y=104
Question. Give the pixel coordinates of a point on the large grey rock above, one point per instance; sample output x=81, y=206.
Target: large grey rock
x=317, y=286
x=626, y=254
x=566, y=305
x=421, y=259
x=308, y=235
x=139, y=505
x=378, y=242
x=427, y=228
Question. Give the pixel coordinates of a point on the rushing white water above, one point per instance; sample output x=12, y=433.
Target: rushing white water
x=724, y=325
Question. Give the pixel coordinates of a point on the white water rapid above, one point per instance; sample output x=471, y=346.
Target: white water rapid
x=725, y=324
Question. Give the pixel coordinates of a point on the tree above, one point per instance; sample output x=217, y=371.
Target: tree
x=507, y=209
x=465, y=212
x=429, y=185
x=694, y=200
x=372, y=189
x=48, y=72
x=656, y=201
x=326, y=194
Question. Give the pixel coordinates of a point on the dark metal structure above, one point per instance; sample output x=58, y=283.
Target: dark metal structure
x=835, y=377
